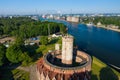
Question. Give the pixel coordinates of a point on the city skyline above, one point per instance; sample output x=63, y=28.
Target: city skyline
x=61, y=6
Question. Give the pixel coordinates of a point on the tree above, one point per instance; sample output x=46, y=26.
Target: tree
x=19, y=41
x=44, y=40
x=2, y=54
x=63, y=29
x=27, y=59
x=1, y=31
x=14, y=53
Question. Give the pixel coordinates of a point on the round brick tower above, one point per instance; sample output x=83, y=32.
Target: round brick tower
x=64, y=65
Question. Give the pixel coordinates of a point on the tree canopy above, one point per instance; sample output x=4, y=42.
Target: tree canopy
x=26, y=27
x=15, y=53
x=44, y=40
x=23, y=28
x=2, y=54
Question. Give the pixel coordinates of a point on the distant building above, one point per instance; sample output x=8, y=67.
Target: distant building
x=57, y=17
x=10, y=17
x=72, y=19
x=34, y=17
x=43, y=16
x=50, y=16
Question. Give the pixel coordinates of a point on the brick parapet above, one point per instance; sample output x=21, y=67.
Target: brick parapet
x=69, y=70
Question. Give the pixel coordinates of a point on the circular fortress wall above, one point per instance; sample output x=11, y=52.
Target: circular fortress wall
x=49, y=70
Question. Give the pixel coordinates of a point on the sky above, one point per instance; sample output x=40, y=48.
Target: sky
x=59, y=6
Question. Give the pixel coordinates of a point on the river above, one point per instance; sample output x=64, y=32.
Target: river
x=99, y=42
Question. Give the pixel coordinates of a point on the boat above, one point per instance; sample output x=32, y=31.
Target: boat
x=90, y=24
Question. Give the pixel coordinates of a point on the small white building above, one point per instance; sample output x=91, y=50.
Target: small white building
x=99, y=24
x=57, y=35
x=7, y=45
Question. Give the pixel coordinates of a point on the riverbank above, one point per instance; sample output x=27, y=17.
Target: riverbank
x=101, y=71
x=102, y=26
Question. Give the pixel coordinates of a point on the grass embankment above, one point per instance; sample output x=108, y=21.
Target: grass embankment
x=100, y=71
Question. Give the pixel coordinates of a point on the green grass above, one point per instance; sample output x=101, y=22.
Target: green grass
x=100, y=71
x=51, y=46
x=21, y=75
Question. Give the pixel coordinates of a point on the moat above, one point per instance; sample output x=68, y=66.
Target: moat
x=99, y=42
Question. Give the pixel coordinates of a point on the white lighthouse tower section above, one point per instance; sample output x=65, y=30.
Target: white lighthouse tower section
x=67, y=49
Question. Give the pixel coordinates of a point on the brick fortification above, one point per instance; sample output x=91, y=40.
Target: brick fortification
x=68, y=64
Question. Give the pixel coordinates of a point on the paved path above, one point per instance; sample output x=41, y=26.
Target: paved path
x=2, y=40
x=27, y=69
x=33, y=72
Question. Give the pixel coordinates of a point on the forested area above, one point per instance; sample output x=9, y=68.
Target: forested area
x=19, y=54
x=22, y=28
x=107, y=20
x=26, y=27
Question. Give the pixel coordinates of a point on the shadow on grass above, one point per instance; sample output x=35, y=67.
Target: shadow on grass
x=6, y=71
x=6, y=74
x=30, y=55
x=37, y=56
x=32, y=52
x=107, y=73
x=94, y=77
x=53, y=41
x=31, y=49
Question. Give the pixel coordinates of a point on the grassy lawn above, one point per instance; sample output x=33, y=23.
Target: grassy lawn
x=100, y=71
x=50, y=46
